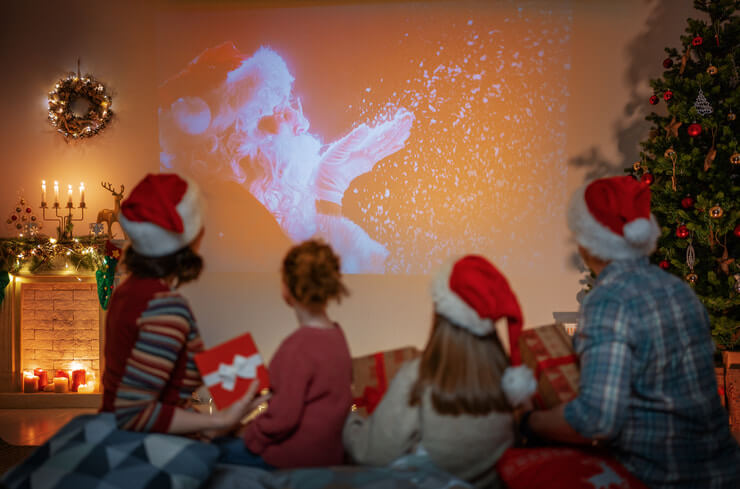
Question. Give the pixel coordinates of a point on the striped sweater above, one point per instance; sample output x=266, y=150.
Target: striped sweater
x=151, y=339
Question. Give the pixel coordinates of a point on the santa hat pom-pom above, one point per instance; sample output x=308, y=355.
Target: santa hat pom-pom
x=518, y=384
x=638, y=232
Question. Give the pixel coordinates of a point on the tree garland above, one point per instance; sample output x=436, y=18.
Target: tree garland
x=62, y=97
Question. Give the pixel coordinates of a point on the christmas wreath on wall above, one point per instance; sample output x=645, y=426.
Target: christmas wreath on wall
x=79, y=106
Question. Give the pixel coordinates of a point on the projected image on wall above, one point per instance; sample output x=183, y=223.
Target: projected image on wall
x=446, y=137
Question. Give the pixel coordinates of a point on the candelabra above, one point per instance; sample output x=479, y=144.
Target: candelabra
x=64, y=231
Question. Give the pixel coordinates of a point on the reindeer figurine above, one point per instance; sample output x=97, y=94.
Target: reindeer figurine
x=109, y=216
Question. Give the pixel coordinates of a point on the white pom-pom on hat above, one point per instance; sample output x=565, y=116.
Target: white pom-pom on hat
x=518, y=384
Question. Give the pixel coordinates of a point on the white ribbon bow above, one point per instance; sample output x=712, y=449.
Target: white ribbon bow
x=226, y=374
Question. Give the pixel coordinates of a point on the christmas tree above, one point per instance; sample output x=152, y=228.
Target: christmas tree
x=692, y=162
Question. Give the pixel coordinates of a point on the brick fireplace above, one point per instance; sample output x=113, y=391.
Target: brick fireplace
x=54, y=323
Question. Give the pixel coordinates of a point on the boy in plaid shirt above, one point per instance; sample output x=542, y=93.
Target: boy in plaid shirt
x=647, y=388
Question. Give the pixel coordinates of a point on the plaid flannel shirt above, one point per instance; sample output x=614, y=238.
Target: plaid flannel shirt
x=647, y=380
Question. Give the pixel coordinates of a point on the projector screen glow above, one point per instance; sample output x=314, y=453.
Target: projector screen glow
x=401, y=134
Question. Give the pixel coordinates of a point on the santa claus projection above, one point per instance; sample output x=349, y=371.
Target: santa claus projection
x=231, y=117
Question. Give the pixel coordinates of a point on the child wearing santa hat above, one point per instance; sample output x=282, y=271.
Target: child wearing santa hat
x=151, y=335
x=310, y=374
x=455, y=402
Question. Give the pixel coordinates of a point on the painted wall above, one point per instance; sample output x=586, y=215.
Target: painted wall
x=617, y=47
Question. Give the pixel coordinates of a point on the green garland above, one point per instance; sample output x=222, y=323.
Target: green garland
x=4, y=281
x=105, y=276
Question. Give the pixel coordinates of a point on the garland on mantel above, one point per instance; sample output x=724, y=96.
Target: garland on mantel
x=38, y=254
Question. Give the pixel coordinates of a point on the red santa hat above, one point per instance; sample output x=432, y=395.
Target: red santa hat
x=472, y=294
x=163, y=214
x=611, y=218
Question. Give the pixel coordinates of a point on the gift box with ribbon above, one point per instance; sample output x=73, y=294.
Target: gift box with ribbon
x=548, y=351
x=372, y=374
x=230, y=368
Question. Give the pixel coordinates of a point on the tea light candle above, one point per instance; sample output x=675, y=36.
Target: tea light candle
x=86, y=388
x=30, y=383
x=61, y=384
x=78, y=378
x=43, y=376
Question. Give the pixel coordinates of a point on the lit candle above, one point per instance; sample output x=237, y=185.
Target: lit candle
x=82, y=192
x=61, y=384
x=86, y=388
x=43, y=192
x=43, y=377
x=78, y=378
x=56, y=192
x=69, y=193
x=30, y=383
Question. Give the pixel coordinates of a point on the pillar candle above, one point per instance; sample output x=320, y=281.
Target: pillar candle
x=86, y=388
x=61, y=384
x=61, y=373
x=78, y=378
x=30, y=383
x=43, y=376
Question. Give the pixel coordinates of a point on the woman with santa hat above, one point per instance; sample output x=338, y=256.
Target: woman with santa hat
x=151, y=333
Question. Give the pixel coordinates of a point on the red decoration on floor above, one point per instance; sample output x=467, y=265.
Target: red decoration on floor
x=694, y=130
x=682, y=231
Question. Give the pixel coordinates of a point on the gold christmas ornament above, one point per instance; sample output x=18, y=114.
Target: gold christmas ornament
x=735, y=159
x=712, y=70
x=692, y=278
x=669, y=153
x=731, y=116
x=716, y=212
x=636, y=166
x=671, y=129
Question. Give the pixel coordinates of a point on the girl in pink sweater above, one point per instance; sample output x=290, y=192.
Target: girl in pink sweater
x=311, y=373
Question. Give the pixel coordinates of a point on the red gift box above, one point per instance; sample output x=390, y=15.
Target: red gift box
x=230, y=368
x=372, y=374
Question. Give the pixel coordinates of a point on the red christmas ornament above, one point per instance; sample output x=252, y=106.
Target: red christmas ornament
x=29, y=210
x=697, y=41
x=682, y=231
x=667, y=95
x=654, y=100
x=664, y=264
x=736, y=231
x=14, y=217
x=694, y=129
x=667, y=63
x=647, y=178
x=687, y=202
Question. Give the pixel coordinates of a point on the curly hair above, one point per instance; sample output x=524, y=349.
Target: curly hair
x=311, y=272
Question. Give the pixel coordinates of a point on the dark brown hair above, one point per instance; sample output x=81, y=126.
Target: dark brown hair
x=311, y=272
x=184, y=264
x=463, y=371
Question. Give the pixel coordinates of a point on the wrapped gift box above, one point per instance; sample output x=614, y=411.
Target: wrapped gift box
x=230, y=368
x=731, y=361
x=372, y=374
x=548, y=351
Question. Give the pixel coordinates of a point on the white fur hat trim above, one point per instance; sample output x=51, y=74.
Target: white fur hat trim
x=452, y=307
x=149, y=239
x=518, y=384
x=640, y=236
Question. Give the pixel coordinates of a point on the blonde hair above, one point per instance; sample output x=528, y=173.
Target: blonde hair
x=462, y=371
x=311, y=272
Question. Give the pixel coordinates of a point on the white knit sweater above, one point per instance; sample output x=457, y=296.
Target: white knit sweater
x=466, y=446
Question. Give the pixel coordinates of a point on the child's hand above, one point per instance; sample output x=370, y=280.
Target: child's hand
x=230, y=417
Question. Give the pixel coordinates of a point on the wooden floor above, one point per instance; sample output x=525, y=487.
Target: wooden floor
x=34, y=426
